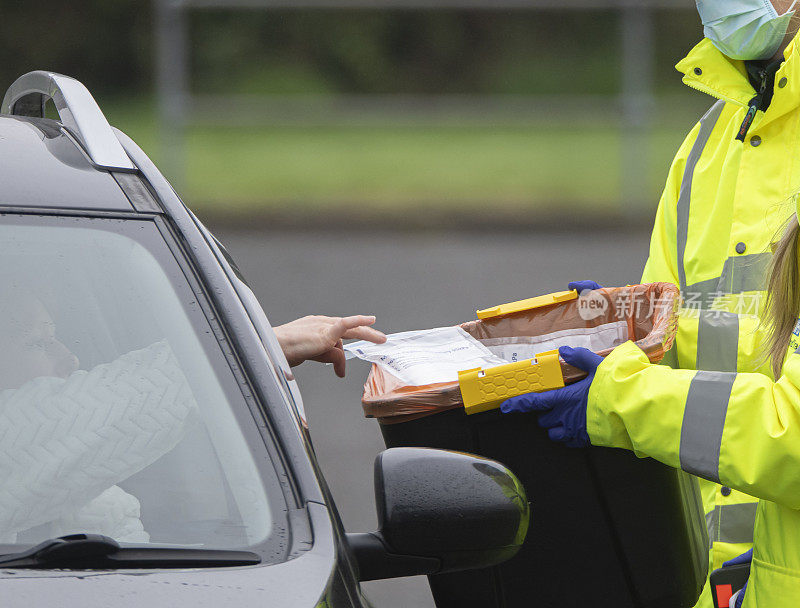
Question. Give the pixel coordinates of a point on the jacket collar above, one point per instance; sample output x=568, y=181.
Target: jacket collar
x=708, y=70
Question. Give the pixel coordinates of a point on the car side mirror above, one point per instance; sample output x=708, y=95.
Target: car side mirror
x=440, y=511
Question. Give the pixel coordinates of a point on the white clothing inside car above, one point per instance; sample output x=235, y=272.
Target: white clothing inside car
x=114, y=513
x=66, y=443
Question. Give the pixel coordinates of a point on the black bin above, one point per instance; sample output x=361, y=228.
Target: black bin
x=608, y=528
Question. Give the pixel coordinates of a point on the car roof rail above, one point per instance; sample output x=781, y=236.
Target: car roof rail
x=78, y=111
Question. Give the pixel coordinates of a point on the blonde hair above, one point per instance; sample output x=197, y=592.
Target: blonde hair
x=783, y=296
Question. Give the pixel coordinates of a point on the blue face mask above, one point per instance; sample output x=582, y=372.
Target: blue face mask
x=744, y=29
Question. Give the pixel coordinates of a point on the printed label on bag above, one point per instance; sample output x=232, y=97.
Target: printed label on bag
x=428, y=356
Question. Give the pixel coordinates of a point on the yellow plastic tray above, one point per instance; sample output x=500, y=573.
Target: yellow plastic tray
x=529, y=304
x=484, y=390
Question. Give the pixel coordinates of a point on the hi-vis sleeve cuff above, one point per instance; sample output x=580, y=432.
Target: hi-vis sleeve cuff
x=639, y=406
x=676, y=416
x=742, y=430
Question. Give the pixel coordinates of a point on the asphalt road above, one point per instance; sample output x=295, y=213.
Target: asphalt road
x=410, y=281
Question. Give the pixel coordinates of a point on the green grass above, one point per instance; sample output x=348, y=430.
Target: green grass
x=243, y=170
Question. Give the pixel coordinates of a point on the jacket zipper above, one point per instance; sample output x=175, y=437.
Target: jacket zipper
x=709, y=91
x=753, y=106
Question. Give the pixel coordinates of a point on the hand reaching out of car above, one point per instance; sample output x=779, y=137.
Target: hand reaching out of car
x=320, y=338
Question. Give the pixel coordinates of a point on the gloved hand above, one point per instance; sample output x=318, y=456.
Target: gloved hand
x=744, y=558
x=582, y=286
x=564, y=409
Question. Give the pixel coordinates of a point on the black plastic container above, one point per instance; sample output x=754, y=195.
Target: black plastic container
x=607, y=529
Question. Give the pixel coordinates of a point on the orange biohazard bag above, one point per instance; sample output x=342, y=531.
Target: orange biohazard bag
x=600, y=320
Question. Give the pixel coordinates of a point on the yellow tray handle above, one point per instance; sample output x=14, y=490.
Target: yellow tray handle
x=484, y=390
x=529, y=304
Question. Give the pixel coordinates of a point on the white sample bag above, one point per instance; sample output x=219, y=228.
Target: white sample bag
x=427, y=356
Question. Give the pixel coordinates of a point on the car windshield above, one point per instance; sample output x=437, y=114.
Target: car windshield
x=119, y=414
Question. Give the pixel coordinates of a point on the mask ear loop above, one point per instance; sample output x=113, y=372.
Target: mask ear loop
x=791, y=8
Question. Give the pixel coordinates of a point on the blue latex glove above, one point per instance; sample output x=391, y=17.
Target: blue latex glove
x=564, y=409
x=740, y=597
x=744, y=558
x=582, y=286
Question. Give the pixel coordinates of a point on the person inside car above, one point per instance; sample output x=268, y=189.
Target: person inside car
x=69, y=436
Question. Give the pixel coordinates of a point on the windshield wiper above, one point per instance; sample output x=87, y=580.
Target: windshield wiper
x=95, y=551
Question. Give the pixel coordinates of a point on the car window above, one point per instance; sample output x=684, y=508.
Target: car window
x=119, y=413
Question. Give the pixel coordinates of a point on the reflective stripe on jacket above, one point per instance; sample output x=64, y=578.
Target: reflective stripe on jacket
x=724, y=205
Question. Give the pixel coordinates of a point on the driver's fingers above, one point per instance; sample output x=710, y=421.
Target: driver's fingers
x=339, y=362
x=358, y=320
x=365, y=333
x=336, y=357
x=356, y=327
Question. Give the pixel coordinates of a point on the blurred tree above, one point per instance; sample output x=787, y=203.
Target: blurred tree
x=109, y=45
x=418, y=52
x=105, y=43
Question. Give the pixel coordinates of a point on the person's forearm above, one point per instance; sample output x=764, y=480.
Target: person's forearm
x=636, y=405
x=289, y=345
x=742, y=430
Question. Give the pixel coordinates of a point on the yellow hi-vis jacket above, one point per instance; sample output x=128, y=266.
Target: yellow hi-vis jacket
x=723, y=207
x=724, y=204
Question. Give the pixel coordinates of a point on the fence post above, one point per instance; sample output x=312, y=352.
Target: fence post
x=171, y=86
x=637, y=108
